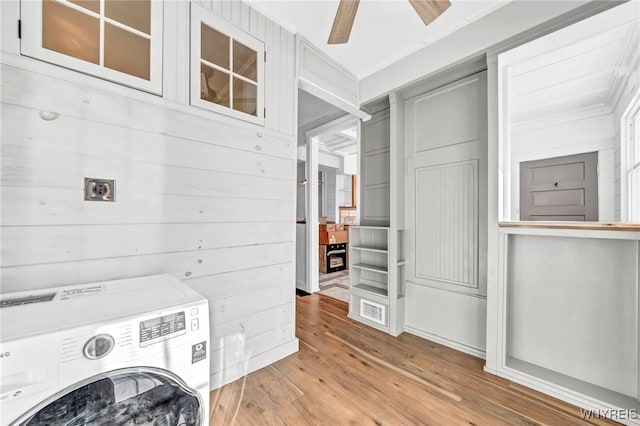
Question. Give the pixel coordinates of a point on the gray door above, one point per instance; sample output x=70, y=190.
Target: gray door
x=561, y=188
x=446, y=216
x=446, y=187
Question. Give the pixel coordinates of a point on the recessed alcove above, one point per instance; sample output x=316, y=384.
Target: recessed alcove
x=572, y=314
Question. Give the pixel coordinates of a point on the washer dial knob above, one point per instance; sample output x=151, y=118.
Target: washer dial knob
x=98, y=346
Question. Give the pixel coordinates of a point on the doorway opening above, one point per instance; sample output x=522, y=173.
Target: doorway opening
x=326, y=200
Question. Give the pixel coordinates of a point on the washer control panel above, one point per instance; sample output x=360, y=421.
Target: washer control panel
x=162, y=328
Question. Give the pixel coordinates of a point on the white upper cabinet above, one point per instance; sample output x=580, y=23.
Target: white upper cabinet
x=117, y=40
x=227, y=68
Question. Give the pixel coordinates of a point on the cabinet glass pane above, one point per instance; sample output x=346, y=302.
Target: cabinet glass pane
x=214, y=85
x=126, y=52
x=133, y=13
x=245, y=96
x=214, y=46
x=244, y=61
x=92, y=5
x=70, y=32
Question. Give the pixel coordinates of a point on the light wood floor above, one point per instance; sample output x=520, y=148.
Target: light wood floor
x=346, y=373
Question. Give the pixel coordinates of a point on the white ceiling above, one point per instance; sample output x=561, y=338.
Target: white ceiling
x=585, y=74
x=343, y=142
x=384, y=31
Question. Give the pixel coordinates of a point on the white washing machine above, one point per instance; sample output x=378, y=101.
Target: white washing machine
x=126, y=352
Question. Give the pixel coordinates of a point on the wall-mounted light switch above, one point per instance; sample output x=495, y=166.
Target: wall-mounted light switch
x=99, y=189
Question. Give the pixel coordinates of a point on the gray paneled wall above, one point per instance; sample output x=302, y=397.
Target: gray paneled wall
x=446, y=190
x=375, y=169
x=573, y=308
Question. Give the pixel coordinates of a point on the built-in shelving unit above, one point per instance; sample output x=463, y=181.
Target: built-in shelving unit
x=376, y=293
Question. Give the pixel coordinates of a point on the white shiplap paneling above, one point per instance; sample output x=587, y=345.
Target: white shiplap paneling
x=447, y=208
x=206, y=198
x=68, y=243
x=180, y=264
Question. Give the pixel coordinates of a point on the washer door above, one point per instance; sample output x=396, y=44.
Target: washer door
x=132, y=396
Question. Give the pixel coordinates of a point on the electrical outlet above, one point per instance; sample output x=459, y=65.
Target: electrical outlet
x=99, y=189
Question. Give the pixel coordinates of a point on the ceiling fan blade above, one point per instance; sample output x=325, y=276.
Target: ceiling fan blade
x=343, y=22
x=429, y=9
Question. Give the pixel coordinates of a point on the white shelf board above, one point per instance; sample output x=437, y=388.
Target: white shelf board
x=365, y=288
x=374, y=268
x=370, y=227
x=370, y=249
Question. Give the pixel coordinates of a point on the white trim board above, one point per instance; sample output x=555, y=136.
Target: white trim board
x=329, y=97
x=446, y=342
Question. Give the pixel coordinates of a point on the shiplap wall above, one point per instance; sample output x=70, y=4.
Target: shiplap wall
x=203, y=197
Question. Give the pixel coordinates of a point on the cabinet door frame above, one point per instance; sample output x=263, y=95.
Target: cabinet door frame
x=199, y=16
x=31, y=46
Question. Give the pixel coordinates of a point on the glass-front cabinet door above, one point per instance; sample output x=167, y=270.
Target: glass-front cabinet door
x=116, y=40
x=227, y=68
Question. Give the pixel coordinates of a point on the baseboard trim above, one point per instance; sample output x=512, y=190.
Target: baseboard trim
x=578, y=399
x=446, y=342
x=249, y=365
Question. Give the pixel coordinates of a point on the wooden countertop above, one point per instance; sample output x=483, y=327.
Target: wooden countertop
x=609, y=226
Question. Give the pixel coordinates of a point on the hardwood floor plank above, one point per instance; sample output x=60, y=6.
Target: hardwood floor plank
x=482, y=393
x=410, y=396
x=546, y=400
x=406, y=401
x=223, y=403
x=346, y=373
x=405, y=373
x=327, y=399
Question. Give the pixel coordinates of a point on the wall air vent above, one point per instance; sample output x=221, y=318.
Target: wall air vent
x=373, y=311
